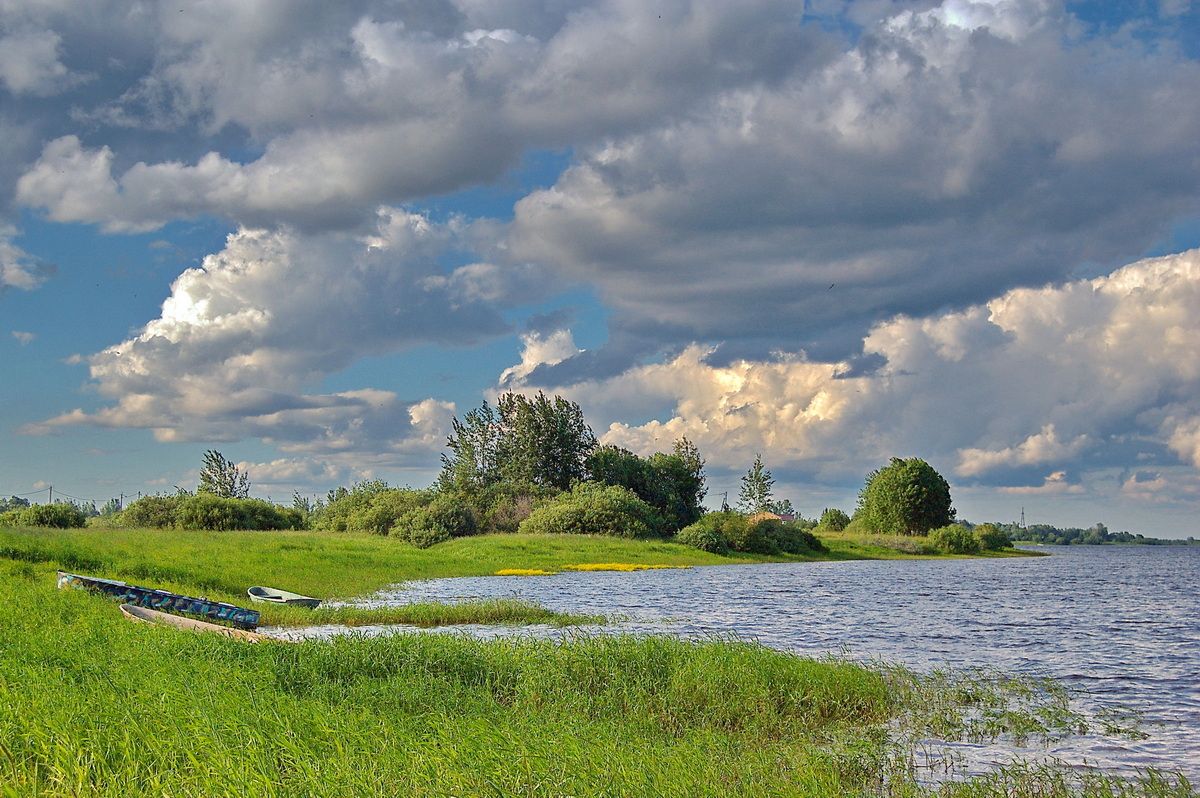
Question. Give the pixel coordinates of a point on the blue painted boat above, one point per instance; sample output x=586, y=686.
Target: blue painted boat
x=163, y=600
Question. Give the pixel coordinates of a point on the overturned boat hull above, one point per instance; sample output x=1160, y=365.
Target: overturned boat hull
x=135, y=613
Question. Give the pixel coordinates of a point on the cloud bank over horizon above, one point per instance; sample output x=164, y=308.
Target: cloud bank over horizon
x=1017, y=392
x=827, y=232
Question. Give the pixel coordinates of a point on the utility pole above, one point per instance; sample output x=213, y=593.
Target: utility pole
x=121, y=501
x=51, y=494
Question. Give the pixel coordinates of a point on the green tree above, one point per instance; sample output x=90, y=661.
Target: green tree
x=755, y=493
x=781, y=507
x=905, y=497
x=532, y=441
x=543, y=441
x=13, y=503
x=834, y=519
x=689, y=483
x=222, y=478
x=673, y=484
x=473, y=462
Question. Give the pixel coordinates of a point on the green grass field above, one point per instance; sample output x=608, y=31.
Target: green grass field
x=222, y=565
x=92, y=705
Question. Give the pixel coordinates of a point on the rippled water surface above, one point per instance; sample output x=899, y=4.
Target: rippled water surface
x=1119, y=625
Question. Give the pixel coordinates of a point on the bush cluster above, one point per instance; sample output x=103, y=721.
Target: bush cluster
x=962, y=539
x=705, y=537
x=955, y=539
x=594, y=509
x=369, y=506
x=834, y=520
x=992, y=537
x=209, y=511
x=152, y=511
x=445, y=517
x=59, y=515
x=724, y=531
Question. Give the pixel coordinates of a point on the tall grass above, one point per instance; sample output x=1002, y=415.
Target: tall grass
x=91, y=705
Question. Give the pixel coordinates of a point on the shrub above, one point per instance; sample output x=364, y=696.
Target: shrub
x=341, y=504
x=992, y=537
x=423, y=537
x=10, y=518
x=385, y=509
x=704, y=537
x=795, y=538
x=762, y=533
x=212, y=512
x=834, y=520
x=727, y=525
x=504, y=505
x=594, y=509
x=152, y=511
x=767, y=535
x=59, y=515
x=673, y=484
x=955, y=539
x=448, y=514
x=369, y=506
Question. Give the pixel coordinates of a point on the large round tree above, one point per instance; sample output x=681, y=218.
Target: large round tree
x=905, y=497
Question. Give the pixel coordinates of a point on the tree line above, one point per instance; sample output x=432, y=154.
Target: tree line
x=533, y=464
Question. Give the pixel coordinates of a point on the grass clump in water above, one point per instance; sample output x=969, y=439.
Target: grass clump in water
x=427, y=614
x=524, y=572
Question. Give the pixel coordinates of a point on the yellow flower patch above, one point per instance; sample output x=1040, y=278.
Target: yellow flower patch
x=617, y=566
x=524, y=572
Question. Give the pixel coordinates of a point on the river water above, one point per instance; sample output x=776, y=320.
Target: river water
x=1120, y=626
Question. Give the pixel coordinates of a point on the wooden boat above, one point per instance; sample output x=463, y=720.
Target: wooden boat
x=163, y=600
x=274, y=595
x=143, y=615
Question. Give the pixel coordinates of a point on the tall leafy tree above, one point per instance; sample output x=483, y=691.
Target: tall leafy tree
x=221, y=477
x=523, y=440
x=680, y=477
x=544, y=441
x=757, y=484
x=673, y=484
x=834, y=519
x=473, y=459
x=905, y=497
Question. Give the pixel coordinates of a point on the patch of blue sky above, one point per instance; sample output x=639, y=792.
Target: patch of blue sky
x=463, y=375
x=537, y=169
x=1182, y=236
x=1149, y=21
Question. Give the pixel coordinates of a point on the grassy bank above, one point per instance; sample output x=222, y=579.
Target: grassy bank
x=222, y=565
x=860, y=546
x=91, y=705
x=345, y=565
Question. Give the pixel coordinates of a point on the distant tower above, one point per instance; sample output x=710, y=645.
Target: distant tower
x=1022, y=518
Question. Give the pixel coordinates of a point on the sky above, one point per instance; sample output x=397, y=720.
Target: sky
x=308, y=234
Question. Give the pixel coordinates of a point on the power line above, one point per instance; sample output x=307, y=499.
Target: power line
x=30, y=493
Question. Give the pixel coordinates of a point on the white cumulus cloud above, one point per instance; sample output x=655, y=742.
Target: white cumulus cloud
x=1037, y=380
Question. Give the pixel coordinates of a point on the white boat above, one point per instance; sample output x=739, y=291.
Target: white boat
x=273, y=595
